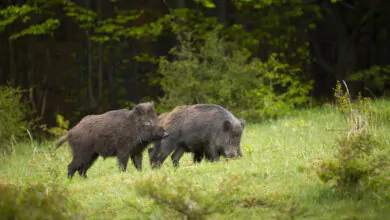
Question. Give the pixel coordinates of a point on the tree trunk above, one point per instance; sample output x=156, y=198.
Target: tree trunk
x=12, y=69
x=221, y=6
x=111, y=92
x=92, y=98
x=100, y=55
x=180, y=3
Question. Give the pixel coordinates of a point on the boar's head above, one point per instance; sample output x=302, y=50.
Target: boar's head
x=147, y=126
x=230, y=138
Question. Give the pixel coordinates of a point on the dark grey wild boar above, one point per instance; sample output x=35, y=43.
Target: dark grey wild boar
x=119, y=133
x=206, y=130
x=197, y=155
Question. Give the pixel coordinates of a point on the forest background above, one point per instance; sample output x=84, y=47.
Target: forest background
x=258, y=58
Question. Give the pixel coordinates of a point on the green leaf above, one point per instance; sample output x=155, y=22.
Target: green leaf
x=206, y=3
x=47, y=27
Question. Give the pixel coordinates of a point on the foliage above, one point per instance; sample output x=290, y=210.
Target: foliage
x=359, y=116
x=24, y=13
x=35, y=201
x=274, y=26
x=187, y=198
x=14, y=113
x=61, y=129
x=375, y=78
x=124, y=30
x=359, y=160
x=206, y=3
x=45, y=198
x=222, y=73
x=115, y=28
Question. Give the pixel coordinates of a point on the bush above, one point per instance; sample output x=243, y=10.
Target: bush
x=35, y=202
x=375, y=79
x=350, y=164
x=360, y=161
x=219, y=72
x=189, y=199
x=60, y=129
x=13, y=116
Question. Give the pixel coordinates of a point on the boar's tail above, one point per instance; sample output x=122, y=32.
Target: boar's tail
x=61, y=141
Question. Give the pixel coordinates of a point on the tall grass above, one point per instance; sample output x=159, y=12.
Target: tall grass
x=275, y=179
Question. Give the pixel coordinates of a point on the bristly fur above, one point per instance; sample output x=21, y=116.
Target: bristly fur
x=204, y=129
x=119, y=133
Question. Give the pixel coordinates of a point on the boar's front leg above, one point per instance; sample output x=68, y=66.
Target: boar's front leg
x=153, y=152
x=123, y=159
x=136, y=158
x=211, y=153
x=161, y=152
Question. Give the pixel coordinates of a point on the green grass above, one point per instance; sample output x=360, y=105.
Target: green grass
x=274, y=179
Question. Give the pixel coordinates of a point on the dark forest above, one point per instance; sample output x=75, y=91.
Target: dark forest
x=80, y=57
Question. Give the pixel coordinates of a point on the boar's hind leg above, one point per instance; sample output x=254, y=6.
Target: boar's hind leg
x=87, y=165
x=74, y=166
x=136, y=158
x=176, y=156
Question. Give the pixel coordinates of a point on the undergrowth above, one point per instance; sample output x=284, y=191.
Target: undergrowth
x=15, y=125
x=360, y=162
x=190, y=199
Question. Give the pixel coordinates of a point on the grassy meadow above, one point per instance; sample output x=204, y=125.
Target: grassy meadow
x=275, y=178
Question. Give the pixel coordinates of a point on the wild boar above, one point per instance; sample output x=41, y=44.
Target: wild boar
x=119, y=133
x=204, y=129
x=197, y=155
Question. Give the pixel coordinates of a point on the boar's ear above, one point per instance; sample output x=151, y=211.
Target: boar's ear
x=137, y=109
x=243, y=122
x=227, y=125
x=129, y=113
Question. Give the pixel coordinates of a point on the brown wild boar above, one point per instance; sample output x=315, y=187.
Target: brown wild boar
x=204, y=129
x=119, y=133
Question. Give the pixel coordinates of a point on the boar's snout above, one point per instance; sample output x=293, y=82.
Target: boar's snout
x=165, y=134
x=231, y=154
x=159, y=133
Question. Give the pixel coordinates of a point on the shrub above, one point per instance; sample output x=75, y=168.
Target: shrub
x=35, y=202
x=359, y=159
x=187, y=198
x=375, y=79
x=60, y=129
x=220, y=72
x=14, y=115
x=47, y=199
